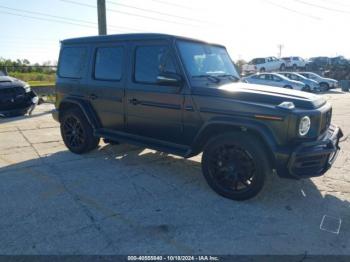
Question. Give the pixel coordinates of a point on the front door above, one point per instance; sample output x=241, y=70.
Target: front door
x=107, y=85
x=154, y=110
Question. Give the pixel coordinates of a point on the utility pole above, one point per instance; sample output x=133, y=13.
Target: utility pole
x=101, y=14
x=280, y=47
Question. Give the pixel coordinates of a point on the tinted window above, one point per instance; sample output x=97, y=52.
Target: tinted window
x=72, y=62
x=276, y=78
x=257, y=61
x=263, y=77
x=151, y=61
x=108, y=63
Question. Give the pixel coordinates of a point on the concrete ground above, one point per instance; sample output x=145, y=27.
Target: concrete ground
x=129, y=200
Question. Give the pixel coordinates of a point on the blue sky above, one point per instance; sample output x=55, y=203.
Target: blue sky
x=248, y=28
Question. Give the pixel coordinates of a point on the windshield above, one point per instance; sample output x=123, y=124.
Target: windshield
x=204, y=60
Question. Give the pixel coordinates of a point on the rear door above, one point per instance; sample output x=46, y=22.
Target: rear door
x=106, y=87
x=154, y=110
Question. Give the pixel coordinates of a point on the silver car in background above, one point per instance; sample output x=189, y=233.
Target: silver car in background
x=325, y=83
x=274, y=79
x=310, y=85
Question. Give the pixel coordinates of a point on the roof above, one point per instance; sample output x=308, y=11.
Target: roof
x=126, y=37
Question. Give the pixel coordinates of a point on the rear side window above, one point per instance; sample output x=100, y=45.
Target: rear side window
x=257, y=61
x=72, y=62
x=108, y=63
x=150, y=61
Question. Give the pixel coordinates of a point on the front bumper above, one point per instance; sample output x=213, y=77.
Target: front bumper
x=313, y=158
x=21, y=106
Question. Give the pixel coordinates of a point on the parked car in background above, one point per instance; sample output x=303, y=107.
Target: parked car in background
x=317, y=63
x=274, y=79
x=264, y=65
x=294, y=62
x=325, y=83
x=310, y=85
x=16, y=96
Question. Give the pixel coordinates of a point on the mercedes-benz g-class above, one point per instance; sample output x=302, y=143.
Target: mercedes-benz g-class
x=184, y=96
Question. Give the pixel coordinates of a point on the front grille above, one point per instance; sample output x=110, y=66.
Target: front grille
x=326, y=118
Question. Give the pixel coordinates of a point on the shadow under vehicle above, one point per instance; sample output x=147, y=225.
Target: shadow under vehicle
x=184, y=96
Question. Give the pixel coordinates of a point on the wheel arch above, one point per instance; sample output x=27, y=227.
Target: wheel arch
x=84, y=106
x=216, y=128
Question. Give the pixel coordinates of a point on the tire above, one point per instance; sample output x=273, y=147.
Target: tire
x=288, y=87
x=324, y=87
x=295, y=67
x=243, y=163
x=306, y=89
x=282, y=67
x=262, y=70
x=77, y=133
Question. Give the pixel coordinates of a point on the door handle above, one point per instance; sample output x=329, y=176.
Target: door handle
x=134, y=101
x=93, y=96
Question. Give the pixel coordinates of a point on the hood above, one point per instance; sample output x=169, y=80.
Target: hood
x=330, y=80
x=263, y=95
x=7, y=81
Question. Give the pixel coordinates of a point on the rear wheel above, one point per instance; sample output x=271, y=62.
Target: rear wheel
x=262, y=70
x=324, y=87
x=77, y=133
x=282, y=67
x=235, y=165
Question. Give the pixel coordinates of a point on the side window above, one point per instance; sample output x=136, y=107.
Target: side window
x=150, y=61
x=293, y=77
x=276, y=78
x=263, y=77
x=72, y=62
x=108, y=63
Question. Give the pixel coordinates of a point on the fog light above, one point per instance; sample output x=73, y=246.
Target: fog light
x=304, y=125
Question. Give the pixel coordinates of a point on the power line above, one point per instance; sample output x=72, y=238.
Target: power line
x=128, y=13
x=47, y=19
x=323, y=7
x=157, y=12
x=64, y=18
x=171, y=4
x=293, y=10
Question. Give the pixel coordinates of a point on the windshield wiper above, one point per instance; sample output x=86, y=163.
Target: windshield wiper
x=232, y=77
x=212, y=78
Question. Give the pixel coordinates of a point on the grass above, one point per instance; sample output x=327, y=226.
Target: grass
x=41, y=83
x=35, y=77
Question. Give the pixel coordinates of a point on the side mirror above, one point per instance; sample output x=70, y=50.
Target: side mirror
x=169, y=79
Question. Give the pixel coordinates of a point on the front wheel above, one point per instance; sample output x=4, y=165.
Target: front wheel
x=235, y=165
x=282, y=67
x=306, y=88
x=77, y=133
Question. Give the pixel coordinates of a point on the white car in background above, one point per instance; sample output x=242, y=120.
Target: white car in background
x=264, y=64
x=294, y=62
x=273, y=79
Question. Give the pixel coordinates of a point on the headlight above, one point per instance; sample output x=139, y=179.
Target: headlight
x=27, y=88
x=304, y=125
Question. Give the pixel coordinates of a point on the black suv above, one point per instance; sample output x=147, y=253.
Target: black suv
x=183, y=96
x=16, y=96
